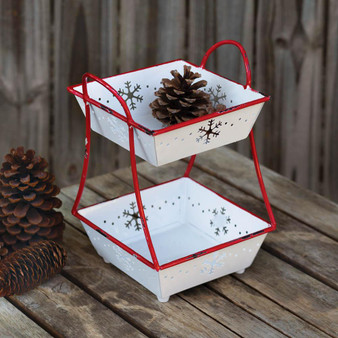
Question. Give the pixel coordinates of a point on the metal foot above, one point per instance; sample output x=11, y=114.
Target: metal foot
x=163, y=300
x=239, y=272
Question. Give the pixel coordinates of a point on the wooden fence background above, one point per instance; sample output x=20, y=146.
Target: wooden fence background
x=46, y=45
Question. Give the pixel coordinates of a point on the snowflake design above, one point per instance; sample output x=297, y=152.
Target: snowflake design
x=215, y=223
x=130, y=94
x=115, y=128
x=211, y=264
x=209, y=131
x=134, y=217
x=216, y=95
x=124, y=258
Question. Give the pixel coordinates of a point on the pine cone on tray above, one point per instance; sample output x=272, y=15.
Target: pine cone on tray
x=27, y=201
x=180, y=99
x=29, y=267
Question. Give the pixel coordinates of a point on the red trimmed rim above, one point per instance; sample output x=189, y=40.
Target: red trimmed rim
x=155, y=132
x=206, y=251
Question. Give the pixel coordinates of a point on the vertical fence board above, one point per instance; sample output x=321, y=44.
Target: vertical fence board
x=201, y=31
x=283, y=86
x=110, y=155
x=135, y=16
x=235, y=21
x=134, y=41
x=77, y=49
x=24, y=75
x=330, y=162
x=267, y=132
x=302, y=158
x=289, y=65
x=170, y=30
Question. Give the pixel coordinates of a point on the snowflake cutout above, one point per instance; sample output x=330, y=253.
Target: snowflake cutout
x=209, y=131
x=216, y=95
x=130, y=94
x=134, y=217
x=216, y=222
x=124, y=258
x=216, y=261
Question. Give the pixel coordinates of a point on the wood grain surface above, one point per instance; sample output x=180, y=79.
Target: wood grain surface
x=65, y=309
x=14, y=323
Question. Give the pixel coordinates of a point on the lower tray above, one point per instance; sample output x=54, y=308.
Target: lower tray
x=185, y=220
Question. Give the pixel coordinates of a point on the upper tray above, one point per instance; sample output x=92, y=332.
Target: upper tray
x=154, y=142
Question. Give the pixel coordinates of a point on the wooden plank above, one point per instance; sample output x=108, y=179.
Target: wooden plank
x=169, y=31
x=229, y=314
x=264, y=309
x=135, y=20
x=234, y=21
x=301, y=294
x=267, y=127
x=71, y=312
x=79, y=48
x=109, y=37
x=305, y=144
x=293, y=241
x=201, y=31
x=290, y=67
x=24, y=76
x=304, y=205
x=110, y=61
x=330, y=156
x=135, y=14
x=13, y=323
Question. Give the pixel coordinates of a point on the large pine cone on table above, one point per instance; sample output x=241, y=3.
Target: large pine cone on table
x=180, y=99
x=3, y=250
x=27, y=201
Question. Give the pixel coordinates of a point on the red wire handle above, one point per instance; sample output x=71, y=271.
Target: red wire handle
x=252, y=140
x=204, y=61
x=244, y=56
x=130, y=121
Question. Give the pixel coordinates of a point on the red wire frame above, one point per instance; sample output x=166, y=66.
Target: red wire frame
x=131, y=125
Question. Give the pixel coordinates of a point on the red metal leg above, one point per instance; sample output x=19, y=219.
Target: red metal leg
x=134, y=172
x=260, y=180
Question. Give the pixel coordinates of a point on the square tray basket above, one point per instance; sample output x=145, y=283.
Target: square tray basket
x=184, y=219
x=156, y=143
x=178, y=234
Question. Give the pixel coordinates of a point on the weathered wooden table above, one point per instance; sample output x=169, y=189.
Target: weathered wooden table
x=290, y=290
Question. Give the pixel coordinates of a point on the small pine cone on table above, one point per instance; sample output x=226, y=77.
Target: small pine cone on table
x=29, y=267
x=27, y=201
x=180, y=99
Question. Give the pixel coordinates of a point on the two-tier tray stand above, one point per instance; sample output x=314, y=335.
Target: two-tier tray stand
x=177, y=234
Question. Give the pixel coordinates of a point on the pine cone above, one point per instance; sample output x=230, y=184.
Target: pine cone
x=29, y=267
x=27, y=200
x=180, y=99
x=3, y=251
